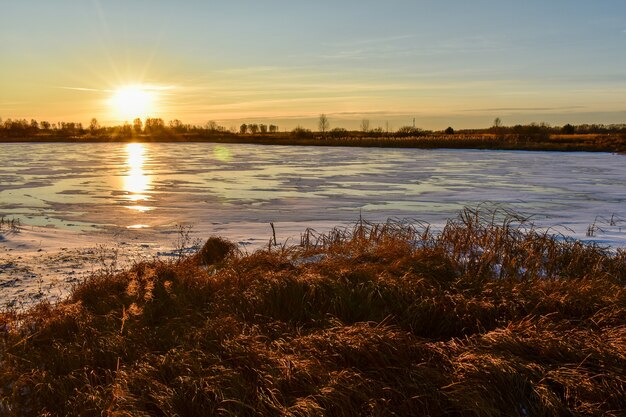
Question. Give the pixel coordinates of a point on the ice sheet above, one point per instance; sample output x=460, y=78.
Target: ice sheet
x=133, y=196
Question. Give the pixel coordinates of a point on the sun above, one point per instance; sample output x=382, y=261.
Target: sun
x=132, y=101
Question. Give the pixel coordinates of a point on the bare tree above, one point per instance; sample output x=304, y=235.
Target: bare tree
x=323, y=123
x=365, y=125
x=497, y=123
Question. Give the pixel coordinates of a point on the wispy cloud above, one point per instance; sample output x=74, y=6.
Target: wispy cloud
x=359, y=113
x=147, y=87
x=84, y=89
x=303, y=82
x=524, y=109
x=407, y=46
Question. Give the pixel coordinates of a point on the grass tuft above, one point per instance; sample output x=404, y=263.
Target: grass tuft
x=215, y=250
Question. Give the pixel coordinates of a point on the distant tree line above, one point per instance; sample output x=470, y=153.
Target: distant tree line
x=157, y=127
x=20, y=128
x=540, y=132
x=23, y=128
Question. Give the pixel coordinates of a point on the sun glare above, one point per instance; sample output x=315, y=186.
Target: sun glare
x=136, y=182
x=132, y=101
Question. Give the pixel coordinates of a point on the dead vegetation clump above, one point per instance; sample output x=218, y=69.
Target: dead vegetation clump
x=215, y=250
x=9, y=226
x=488, y=317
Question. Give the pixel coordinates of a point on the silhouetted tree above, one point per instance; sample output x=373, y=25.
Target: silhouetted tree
x=212, y=126
x=254, y=128
x=126, y=130
x=243, y=128
x=70, y=128
x=137, y=125
x=154, y=125
x=263, y=128
x=449, y=131
x=365, y=125
x=45, y=125
x=176, y=126
x=323, y=123
x=94, y=126
x=497, y=128
x=273, y=128
x=568, y=129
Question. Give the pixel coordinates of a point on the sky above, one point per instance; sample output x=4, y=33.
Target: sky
x=445, y=63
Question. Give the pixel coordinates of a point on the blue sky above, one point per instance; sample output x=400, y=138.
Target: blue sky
x=445, y=63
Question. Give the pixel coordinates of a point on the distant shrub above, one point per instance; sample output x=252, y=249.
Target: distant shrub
x=568, y=129
x=300, y=132
x=532, y=133
x=405, y=131
x=338, y=132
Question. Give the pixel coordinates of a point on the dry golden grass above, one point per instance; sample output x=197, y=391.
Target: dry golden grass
x=487, y=318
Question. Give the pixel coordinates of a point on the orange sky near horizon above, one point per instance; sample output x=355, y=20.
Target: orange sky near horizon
x=286, y=63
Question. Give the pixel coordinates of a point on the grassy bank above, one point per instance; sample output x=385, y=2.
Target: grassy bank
x=485, y=318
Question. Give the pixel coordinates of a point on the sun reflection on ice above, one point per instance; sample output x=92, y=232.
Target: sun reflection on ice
x=138, y=226
x=141, y=209
x=136, y=182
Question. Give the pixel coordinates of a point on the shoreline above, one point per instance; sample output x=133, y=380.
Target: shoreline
x=39, y=263
x=583, y=143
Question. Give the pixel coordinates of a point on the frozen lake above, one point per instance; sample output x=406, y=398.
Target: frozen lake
x=157, y=186
x=135, y=195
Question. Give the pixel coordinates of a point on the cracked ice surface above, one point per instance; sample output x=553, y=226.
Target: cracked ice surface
x=78, y=201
